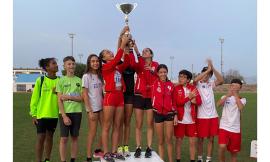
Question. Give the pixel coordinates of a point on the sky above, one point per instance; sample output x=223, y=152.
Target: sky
x=188, y=30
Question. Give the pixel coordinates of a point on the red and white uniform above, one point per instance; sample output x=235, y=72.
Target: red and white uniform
x=145, y=78
x=230, y=130
x=207, y=109
x=162, y=95
x=207, y=122
x=112, y=74
x=186, y=111
x=230, y=119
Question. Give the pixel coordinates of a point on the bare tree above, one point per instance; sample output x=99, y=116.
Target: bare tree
x=232, y=74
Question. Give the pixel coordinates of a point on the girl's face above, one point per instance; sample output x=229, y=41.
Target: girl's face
x=70, y=66
x=94, y=63
x=235, y=87
x=183, y=79
x=146, y=53
x=107, y=55
x=52, y=67
x=162, y=74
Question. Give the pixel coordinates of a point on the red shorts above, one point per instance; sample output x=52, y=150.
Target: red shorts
x=181, y=130
x=231, y=139
x=207, y=127
x=115, y=98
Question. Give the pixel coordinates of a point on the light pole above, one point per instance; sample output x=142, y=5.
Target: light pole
x=71, y=35
x=80, y=56
x=171, y=58
x=221, y=54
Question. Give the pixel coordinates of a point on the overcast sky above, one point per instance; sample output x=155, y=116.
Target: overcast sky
x=188, y=30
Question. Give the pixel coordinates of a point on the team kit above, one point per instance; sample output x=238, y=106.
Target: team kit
x=115, y=87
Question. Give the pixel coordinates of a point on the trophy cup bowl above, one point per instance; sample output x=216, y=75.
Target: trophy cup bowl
x=126, y=8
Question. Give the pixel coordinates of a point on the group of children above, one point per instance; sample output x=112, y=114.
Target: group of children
x=109, y=93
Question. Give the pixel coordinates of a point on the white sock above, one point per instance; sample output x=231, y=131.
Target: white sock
x=208, y=159
x=200, y=158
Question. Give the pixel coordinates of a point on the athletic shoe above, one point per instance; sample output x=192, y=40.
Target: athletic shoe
x=126, y=151
x=148, y=153
x=46, y=161
x=98, y=153
x=200, y=161
x=138, y=152
x=120, y=150
x=108, y=157
x=118, y=156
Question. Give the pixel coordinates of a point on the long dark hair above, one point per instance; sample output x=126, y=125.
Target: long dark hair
x=89, y=69
x=43, y=63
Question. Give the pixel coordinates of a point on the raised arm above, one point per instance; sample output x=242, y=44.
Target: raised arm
x=202, y=75
x=123, y=31
x=219, y=78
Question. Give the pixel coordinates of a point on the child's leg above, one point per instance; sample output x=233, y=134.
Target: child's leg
x=192, y=147
x=150, y=127
x=221, y=154
x=200, y=148
x=108, y=112
x=74, y=147
x=169, y=135
x=139, y=123
x=160, y=137
x=118, y=115
x=40, y=145
x=92, y=129
x=210, y=146
x=100, y=118
x=74, y=132
x=178, y=144
x=48, y=144
x=63, y=148
x=233, y=157
x=127, y=120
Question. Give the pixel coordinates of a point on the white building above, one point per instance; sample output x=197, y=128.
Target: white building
x=24, y=79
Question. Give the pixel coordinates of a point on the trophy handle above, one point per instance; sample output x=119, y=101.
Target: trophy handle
x=135, y=5
x=118, y=6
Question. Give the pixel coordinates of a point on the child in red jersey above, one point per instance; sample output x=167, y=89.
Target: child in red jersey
x=113, y=100
x=186, y=97
x=163, y=111
x=146, y=70
x=230, y=130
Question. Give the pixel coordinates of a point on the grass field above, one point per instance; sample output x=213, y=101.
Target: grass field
x=24, y=133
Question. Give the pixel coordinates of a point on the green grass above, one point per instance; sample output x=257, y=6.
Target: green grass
x=24, y=135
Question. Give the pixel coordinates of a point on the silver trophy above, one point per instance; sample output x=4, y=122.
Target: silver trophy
x=126, y=8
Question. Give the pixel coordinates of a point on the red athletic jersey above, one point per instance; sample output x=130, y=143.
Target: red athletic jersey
x=180, y=100
x=145, y=78
x=109, y=69
x=162, y=95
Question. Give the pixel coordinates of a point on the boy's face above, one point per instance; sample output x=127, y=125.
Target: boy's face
x=206, y=78
x=183, y=79
x=235, y=87
x=69, y=66
x=53, y=67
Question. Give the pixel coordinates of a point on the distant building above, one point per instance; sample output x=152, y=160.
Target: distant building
x=24, y=79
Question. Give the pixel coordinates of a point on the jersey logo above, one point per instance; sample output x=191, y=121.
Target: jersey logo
x=159, y=89
x=78, y=84
x=169, y=87
x=67, y=85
